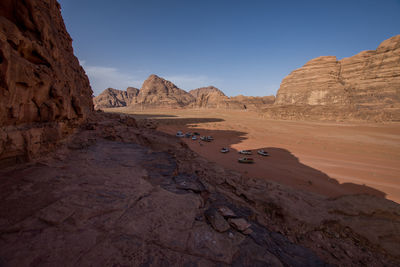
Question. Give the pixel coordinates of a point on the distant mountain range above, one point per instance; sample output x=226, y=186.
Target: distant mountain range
x=157, y=92
x=362, y=87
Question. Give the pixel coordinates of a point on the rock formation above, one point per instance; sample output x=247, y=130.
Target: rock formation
x=160, y=93
x=112, y=98
x=365, y=86
x=44, y=91
x=157, y=92
x=209, y=97
x=132, y=94
x=254, y=102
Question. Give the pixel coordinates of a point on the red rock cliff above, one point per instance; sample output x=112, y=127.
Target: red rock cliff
x=44, y=91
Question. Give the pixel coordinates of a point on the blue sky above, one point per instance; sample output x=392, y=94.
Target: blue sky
x=241, y=47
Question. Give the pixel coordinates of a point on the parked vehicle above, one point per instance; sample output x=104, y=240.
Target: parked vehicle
x=262, y=152
x=205, y=139
x=196, y=133
x=245, y=152
x=194, y=137
x=224, y=150
x=180, y=134
x=246, y=160
x=188, y=135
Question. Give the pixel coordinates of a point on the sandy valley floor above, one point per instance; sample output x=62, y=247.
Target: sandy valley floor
x=328, y=158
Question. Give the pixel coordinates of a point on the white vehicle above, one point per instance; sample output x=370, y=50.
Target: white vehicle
x=245, y=152
x=224, y=150
x=194, y=137
x=180, y=134
x=262, y=152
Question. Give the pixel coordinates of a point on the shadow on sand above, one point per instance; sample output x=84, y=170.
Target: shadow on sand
x=281, y=166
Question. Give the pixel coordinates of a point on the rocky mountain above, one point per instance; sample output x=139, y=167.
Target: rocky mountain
x=132, y=93
x=160, y=93
x=111, y=97
x=209, y=97
x=364, y=86
x=157, y=92
x=44, y=91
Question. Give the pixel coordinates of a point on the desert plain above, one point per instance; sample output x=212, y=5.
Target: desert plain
x=327, y=158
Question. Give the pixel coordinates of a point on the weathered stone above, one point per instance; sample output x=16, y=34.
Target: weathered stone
x=240, y=224
x=42, y=85
x=216, y=220
x=226, y=212
x=364, y=86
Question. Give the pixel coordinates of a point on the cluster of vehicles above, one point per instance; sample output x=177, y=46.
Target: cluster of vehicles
x=249, y=152
x=195, y=135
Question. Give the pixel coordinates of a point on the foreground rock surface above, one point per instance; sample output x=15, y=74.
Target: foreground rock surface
x=364, y=86
x=44, y=91
x=116, y=194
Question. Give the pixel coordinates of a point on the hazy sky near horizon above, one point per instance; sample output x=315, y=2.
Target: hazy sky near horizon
x=241, y=47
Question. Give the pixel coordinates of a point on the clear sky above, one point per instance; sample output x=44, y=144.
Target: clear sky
x=242, y=47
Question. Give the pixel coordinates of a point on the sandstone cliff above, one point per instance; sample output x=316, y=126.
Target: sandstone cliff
x=211, y=97
x=112, y=98
x=157, y=92
x=44, y=91
x=254, y=102
x=365, y=86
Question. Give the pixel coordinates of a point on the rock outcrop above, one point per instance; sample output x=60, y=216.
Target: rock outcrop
x=209, y=97
x=365, y=86
x=45, y=93
x=113, y=98
x=254, y=102
x=117, y=195
x=157, y=92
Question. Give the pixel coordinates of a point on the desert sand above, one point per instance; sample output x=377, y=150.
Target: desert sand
x=328, y=158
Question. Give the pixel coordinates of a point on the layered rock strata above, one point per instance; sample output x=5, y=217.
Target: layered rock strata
x=365, y=86
x=44, y=91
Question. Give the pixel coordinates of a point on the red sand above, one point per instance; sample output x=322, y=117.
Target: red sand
x=322, y=157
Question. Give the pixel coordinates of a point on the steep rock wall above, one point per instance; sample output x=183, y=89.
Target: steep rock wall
x=365, y=86
x=44, y=91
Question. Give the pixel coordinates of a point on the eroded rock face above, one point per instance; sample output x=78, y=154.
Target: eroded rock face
x=254, y=102
x=209, y=97
x=113, y=98
x=44, y=91
x=158, y=92
x=365, y=86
